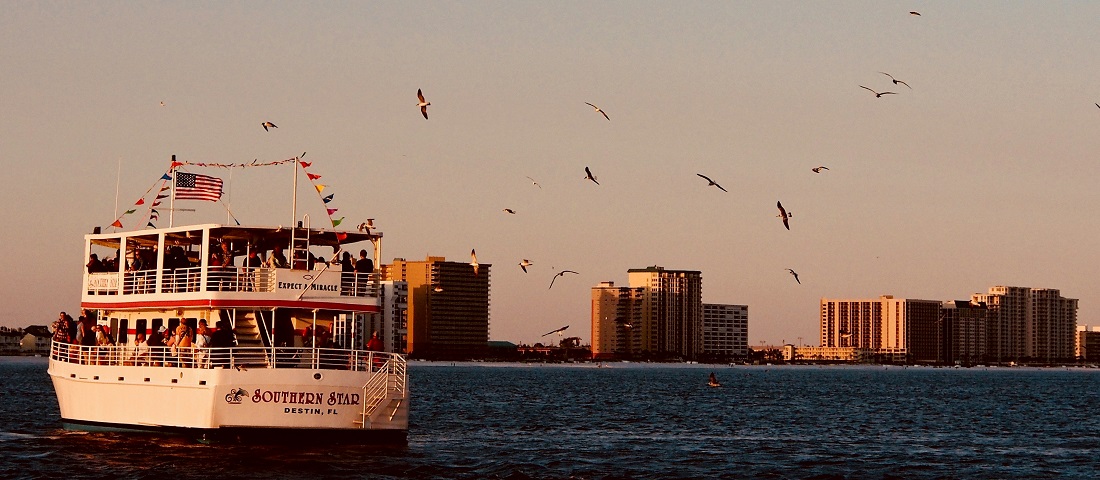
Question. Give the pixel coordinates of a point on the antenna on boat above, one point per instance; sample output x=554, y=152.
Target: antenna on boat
x=172, y=200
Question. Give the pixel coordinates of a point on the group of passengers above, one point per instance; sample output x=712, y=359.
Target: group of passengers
x=181, y=346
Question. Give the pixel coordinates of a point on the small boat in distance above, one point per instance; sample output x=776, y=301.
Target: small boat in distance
x=713, y=380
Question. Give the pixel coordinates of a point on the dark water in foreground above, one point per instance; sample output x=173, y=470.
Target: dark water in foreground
x=632, y=421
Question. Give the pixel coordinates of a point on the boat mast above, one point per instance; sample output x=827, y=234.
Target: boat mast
x=293, y=211
x=172, y=200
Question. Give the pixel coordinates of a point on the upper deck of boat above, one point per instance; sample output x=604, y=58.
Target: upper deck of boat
x=220, y=265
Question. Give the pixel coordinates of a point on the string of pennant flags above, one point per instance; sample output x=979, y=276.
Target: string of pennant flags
x=165, y=186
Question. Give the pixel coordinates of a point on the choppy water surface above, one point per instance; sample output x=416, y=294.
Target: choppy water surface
x=633, y=421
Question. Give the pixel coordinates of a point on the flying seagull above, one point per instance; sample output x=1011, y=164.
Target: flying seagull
x=268, y=124
x=534, y=182
x=558, y=331
x=423, y=103
x=598, y=109
x=819, y=169
x=366, y=226
x=560, y=274
x=524, y=264
x=1098, y=105
x=162, y=104
x=588, y=175
x=896, y=81
x=712, y=182
x=438, y=289
x=509, y=210
x=795, y=276
x=473, y=261
x=915, y=14
x=877, y=94
x=784, y=214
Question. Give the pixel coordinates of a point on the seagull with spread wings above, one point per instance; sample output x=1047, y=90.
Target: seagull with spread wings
x=712, y=182
x=598, y=109
x=784, y=214
x=896, y=81
x=473, y=261
x=878, y=94
x=524, y=264
x=559, y=331
x=509, y=210
x=423, y=104
x=792, y=272
x=560, y=274
x=588, y=175
x=819, y=169
x=533, y=182
x=266, y=125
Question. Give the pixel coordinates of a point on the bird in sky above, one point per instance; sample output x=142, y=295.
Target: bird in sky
x=267, y=125
x=533, y=182
x=877, y=94
x=712, y=182
x=423, y=104
x=915, y=14
x=437, y=289
x=819, y=169
x=1098, y=105
x=473, y=261
x=509, y=210
x=162, y=104
x=792, y=272
x=845, y=333
x=896, y=81
x=366, y=226
x=524, y=264
x=559, y=331
x=588, y=175
x=598, y=109
x=784, y=214
x=560, y=274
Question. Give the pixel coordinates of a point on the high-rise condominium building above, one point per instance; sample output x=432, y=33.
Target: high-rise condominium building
x=1028, y=324
x=616, y=321
x=672, y=310
x=448, y=307
x=725, y=330
x=887, y=325
x=962, y=332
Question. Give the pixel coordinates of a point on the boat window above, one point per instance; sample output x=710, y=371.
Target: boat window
x=154, y=327
x=123, y=331
x=172, y=324
x=139, y=327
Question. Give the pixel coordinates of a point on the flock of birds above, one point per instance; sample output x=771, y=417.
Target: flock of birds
x=784, y=215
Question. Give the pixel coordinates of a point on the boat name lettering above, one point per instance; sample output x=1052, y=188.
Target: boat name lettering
x=316, y=286
x=303, y=398
x=341, y=398
x=303, y=411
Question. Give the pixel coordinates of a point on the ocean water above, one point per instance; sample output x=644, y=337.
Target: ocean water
x=631, y=421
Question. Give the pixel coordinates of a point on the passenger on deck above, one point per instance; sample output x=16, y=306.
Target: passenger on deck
x=202, y=342
x=182, y=344
x=94, y=265
x=61, y=329
x=363, y=267
x=277, y=259
x=156, y=346
x=222, y=338
x=141, y=350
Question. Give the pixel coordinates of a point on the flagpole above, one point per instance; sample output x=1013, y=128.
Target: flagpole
x=172, y=201
x=229, y=214
x=118, y=180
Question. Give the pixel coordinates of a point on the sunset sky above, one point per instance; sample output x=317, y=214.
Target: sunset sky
x=984, y=173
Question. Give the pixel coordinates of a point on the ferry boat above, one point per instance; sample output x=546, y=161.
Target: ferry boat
x=296, y=367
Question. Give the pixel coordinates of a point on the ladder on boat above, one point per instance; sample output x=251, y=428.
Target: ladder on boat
x=390, y=378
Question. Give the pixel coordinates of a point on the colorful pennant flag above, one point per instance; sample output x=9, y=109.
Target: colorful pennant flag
x=337, y=222
x=320, y=188
x=332, y=211
x=328, y=198
x=312, y=176
x=117, y=224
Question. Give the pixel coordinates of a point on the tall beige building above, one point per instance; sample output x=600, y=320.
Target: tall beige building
x=447, y=307
x=1028, y=324
x=889, y=326
x=672, y=303
x=616, y=321
x=963, y=332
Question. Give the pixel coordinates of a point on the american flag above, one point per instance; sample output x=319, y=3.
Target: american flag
x=191, y=186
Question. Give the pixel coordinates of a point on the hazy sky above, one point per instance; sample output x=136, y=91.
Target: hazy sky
x=984, y=173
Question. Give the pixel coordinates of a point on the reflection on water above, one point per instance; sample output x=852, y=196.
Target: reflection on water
x=634, y=421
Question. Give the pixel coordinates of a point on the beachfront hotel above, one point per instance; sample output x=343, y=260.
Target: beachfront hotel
x=616, y=321
x=672, y=310
x=725, y=330
x=905, y=328
x=447, y=312
x=1029, y=324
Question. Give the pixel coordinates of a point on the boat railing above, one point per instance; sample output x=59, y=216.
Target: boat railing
x=240, y=358
x=218, y=279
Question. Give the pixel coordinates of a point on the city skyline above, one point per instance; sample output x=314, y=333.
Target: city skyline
x=977, y=175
